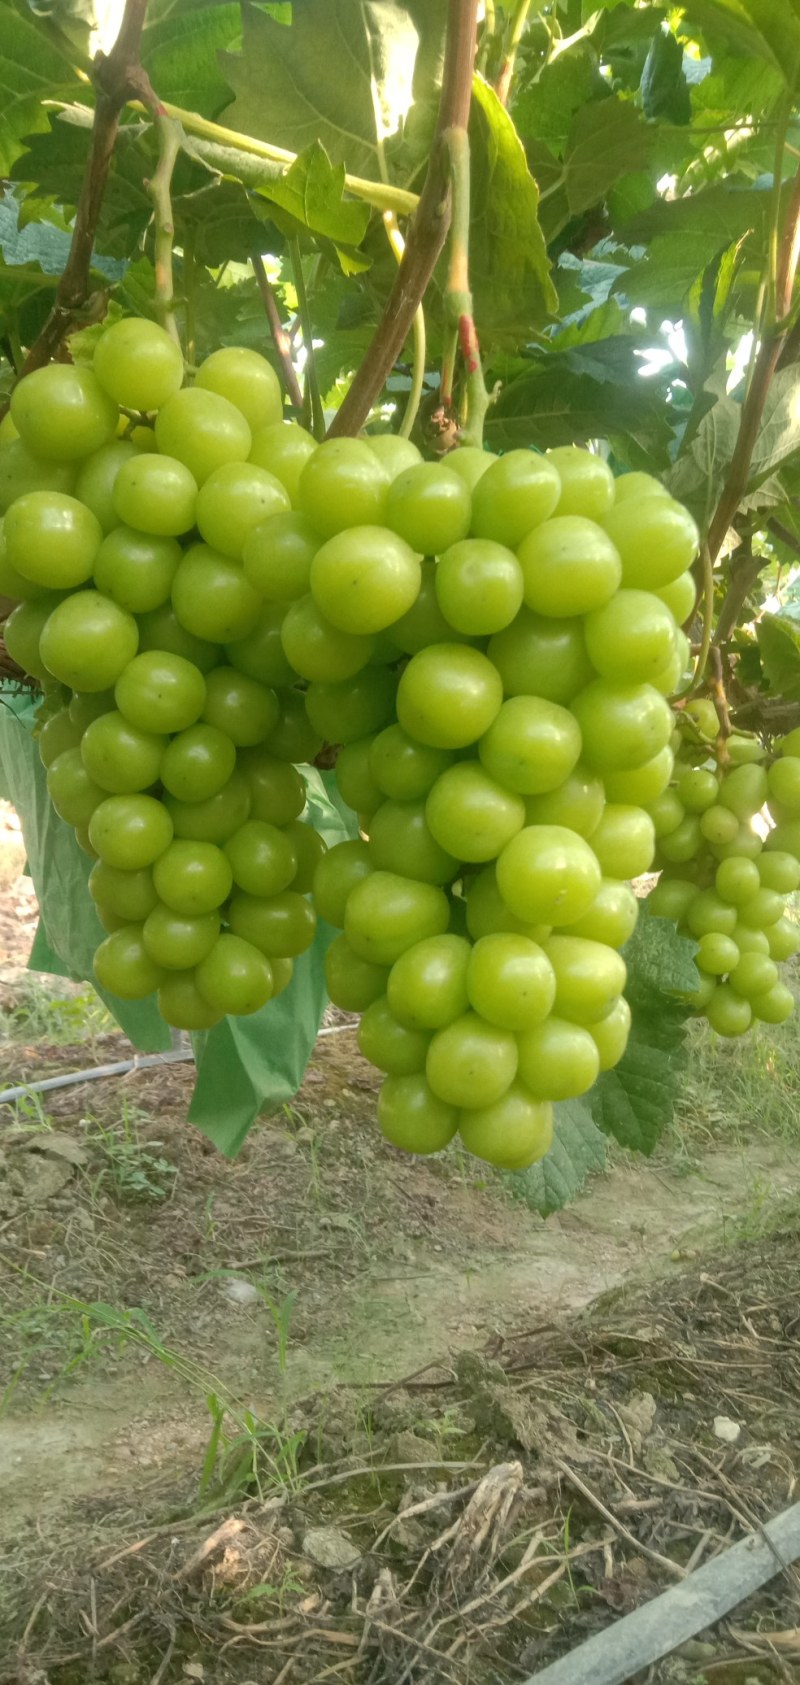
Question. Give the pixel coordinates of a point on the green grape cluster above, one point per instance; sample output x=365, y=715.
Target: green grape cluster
x=729, y=855
x=171, y=720
x=491, y=641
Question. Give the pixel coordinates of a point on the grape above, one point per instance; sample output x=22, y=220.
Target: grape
x=51, y=539
x=234, y=977
x=394, y=1049
x=448, y=696
x=239, y=707
x=622, y=726
x=569, y=567
x=161, y=630
x=512, y=1133
x=631, y=638
x=386, y=913
x=203, y=431
x=123, y=965
x=197, y=763
x=671, y=898
x=514, y=495
x=611, y=918
x=610, y=1035
x=624, y=841
x=643, y=785
x=717, y=954
x=783, y=939
x=309, y=848
x=783, y=785
x=424, y=623
x=354, y=779
x=22, y=634
x=71, y=788
x=411, y=1116
x=316, y=649
x=22, y=472
x=129, y=894
x=401, y=841
x=62, y=412
x=182, y=1005
x=737, y=879
x=277, y=792
x=364, y=579
x=510, y=981
x=709, y=912
x=353, y=983
x=430, y=507
x=56, y=734
x=775, y=870
x=281, y=926
x=531, y=746
x=427, y=985
x=155, y=494
x=589, y=977
x=216, y=818
x=262, y=858
x=97, y=480
x=88, y=642
x=212, y=597
x=471, y=815
x=698, y=790
x=763, y=908
x=175, y=941
x=119, y=757
x=744, y=790
x=558, y=1060
x=245, y=379
x=656, y=539
x=478, y=586
x=775, y=1005
x=393, y=452
x=487, y=911
x=338, y=872
x=158, y=691
x=233, y=500
x=548, y=874
x=470, y=462
x=636, y=485
x=577, y=803
x=753, y=975
x=136, y=569
x=130, y=831
x=728, y=1013
x=343, y=485
x=719, y=826
x=261, y=654
x=587, y=483
x=138, y=364
x=471, y=1063
x=277, y=556
x=284, y=448
x=293, y=737
x=402, y=769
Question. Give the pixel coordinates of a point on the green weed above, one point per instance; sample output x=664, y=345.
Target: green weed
x=131, y=1168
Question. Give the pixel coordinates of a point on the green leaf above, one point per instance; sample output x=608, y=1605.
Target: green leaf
x=32, y=69
x=664, y=89
x=779, y=643
x=179, y=53
x=510, y=272
x=312, y=192
x=55, y=163
x=697, y=477
x=663, y=277
x=323, y=78
x=635, y=1101
x=766, y=29
x=544, y=110
x=779, y=431
x=578, y=1149
x=592, y=392
x=723, y=213
x=605, y=139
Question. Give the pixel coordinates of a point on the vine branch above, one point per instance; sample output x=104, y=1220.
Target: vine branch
x=169, y=146
x=118, y=78
x=428, y=231
x=460, y=318
x=280, y=337
x=502, y=86
x=766, y=362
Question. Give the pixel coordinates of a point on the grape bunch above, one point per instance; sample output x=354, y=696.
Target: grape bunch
x=171, y=720
x=729, y=853
x=491, y=641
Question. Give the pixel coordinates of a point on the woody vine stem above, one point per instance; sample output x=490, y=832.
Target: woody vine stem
x=460, y=320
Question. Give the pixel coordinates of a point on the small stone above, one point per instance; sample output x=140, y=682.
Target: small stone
x=240, y=1292
x=726, y=1429
x=329, y=1547
x=410, y=1448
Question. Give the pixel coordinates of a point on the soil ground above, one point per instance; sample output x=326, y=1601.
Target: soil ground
x=195, y=1356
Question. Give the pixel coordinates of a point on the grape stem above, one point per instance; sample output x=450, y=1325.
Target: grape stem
x=170, y=137
x=314, y=396
x=458, y=302
x=502, y=86
x=428, y=231
x=118, y=78
x=419, y=330
x=280, y=338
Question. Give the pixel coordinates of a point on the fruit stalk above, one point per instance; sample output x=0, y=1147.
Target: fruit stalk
x=502, y=86
x=119, y=77
x=459, y=306
x=280, y=337
x=428, y=231
x=169, y=147
x=314, y=396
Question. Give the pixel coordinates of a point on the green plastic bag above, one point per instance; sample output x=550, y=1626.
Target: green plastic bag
x=242, y=1064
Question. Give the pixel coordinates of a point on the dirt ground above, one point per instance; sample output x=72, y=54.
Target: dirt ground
x=195, y=1356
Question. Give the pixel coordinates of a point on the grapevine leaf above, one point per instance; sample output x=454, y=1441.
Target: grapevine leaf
x=664, y=89
x=31, y=69
x=779, y=643
x=510, y=271
x=544, y=110
x=56, y=162
x=723, y=213
x=635, y=1101
x=697, y=477
x=578, y=1149
x=760, y=29
x=661, y=279
x=312, y=192
x=779, y=430
x=591, y=392
x=179, y=53
x=325, y=79
x=605, y=138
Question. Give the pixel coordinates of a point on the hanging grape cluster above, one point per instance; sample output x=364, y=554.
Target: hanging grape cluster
x=208, y=597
